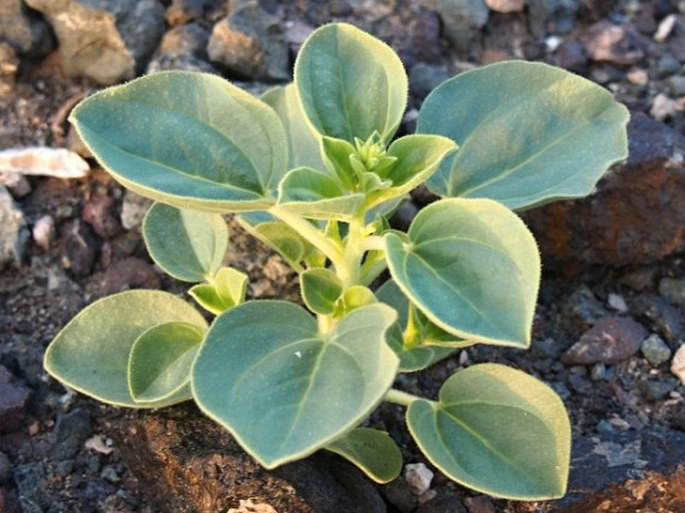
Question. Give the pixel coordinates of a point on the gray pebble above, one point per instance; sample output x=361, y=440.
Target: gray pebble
x=673, y=289
x=655, y=350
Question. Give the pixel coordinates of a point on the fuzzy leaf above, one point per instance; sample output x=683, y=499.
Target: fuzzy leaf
x=321, y=288
x=350, y=83
x=292, y=391
x=187, y=244
x=91, y=353
x=529, y=133
x=472, y=267
x=187, y=139
x=374, y=452
x=498, y=431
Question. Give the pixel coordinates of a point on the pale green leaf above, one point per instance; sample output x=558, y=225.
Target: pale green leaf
x=160, y=361
x=188, y=139
x=350, y=83
x=373, y=451
x=303, y=142
x=206, y=295
x=91, y=353
x=472, y=267
x=529, y=133
x=496, y=430
x=320, y=288
x=187, y=244
x=316, y=195
x=231, y=285
x=292, y=390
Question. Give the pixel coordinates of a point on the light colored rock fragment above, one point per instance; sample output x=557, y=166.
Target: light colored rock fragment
x=678, y=364
x=13, y=232
x=44, y=232
x=42, y=161
x=506, y=6
x=418, y=477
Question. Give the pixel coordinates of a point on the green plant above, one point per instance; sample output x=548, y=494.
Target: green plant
x=312, y=169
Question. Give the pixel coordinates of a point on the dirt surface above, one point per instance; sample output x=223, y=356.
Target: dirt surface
x=56, y=449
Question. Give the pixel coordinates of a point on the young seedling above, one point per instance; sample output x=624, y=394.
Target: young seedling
x=314, y=170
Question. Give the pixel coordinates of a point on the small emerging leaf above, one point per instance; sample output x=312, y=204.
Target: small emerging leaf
x=472, y=267
x=373, y=451
x=350, y=83
x=529, y=133
x=160, y=361
x=91, y=353
x=320, y=288
x=227, y=290
x=496, y=430
x=292, y=390
x=186, y=244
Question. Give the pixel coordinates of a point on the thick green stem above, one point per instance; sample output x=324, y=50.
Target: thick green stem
x=398, y=397
x=354, y=252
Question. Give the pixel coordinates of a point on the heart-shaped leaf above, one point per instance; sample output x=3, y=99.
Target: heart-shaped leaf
x=496, y=430
x=188, y=139
x=160, y=361
x=472, y=267
x=187, y=244
x=316, y=195
x=292, y=390
x=91, y=353
x=529, y=133
x=374, y=452
x=320, y=288
x=303, y=142
x=350, y=83
x=226, y=290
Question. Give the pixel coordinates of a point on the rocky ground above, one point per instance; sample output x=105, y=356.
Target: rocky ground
x=610, y=325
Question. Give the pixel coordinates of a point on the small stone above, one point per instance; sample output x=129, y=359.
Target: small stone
x=71, y=431
x=79, y=247
x=129, y=273
x=552, y=16
x=247, y=506
x=639, y=279
x=442, y=502
x=418, y=477
x=655, y=350
x=678, y=364
x=506, y=6
x=610, y=340
x=14, y=398
x=55, y=162
x=677, y=85
x=9, y=63
x=133, y=210
x=655, y=391
x=599, y=372
x=462, y=19
x=109, y=473
x=29, y=35
x=43, y=232
x=616, y=302
x=664, y=107
x=13, y=232
x=99, y=213
x=667, y=65
x=673, y=289
x=638, y=76
x=571, y=56
x=605, y=42
x=423, y=78
x=190, y=39
x=480, y=504
x=583, y=309
x=665, y=28
x=181, y=12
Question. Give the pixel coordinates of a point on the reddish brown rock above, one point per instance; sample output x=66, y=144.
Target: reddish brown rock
x=637, y=215
x=99, y=212
x=187, y=463
x=13, y=400
x=610, y=340
x=129, y=273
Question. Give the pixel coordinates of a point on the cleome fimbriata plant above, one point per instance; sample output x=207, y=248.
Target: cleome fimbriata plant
x=313, y=169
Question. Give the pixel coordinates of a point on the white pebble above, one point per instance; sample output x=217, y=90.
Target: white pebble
x=418, y=477
x=43, y=232
x=678, y=364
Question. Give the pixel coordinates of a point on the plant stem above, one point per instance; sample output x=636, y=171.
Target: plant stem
x=398, y=397
x=373, y=242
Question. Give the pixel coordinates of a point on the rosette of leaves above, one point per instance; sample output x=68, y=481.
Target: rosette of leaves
x=314, y=169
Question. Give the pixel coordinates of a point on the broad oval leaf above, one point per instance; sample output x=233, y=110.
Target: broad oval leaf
x=188, y=139
x=91, y=353
x=472, y=267
x=303, y=142
x=292, y=390
x=160, y=361
x=187, y=244
x=373, y=451
x=496, y=430
x=529, y=133
x=316, y=195
x=320, y=289
x=350, y=83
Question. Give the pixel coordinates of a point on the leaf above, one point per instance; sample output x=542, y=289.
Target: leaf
x=292, y=390
x=314, y=194
x=160, y=361
x=357, y=296
x=192, y=140
x=227, y=290
x=350, y=83
x=187, y=244
x=529, y=133
x=303, y=142
x=91, y=353
x=320, y=288
x=496, y=430
x=412, y=359
x=206, y=295
x=373, y=451
x=472, y=267
x=336, y=154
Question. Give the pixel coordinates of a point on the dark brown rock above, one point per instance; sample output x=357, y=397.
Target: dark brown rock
x=189, y=464
x=130, y=273
x=13, y=400
x=99, y=212
x=637, y=215
x=616, y=44
x=78, y=247
x=610, y=340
